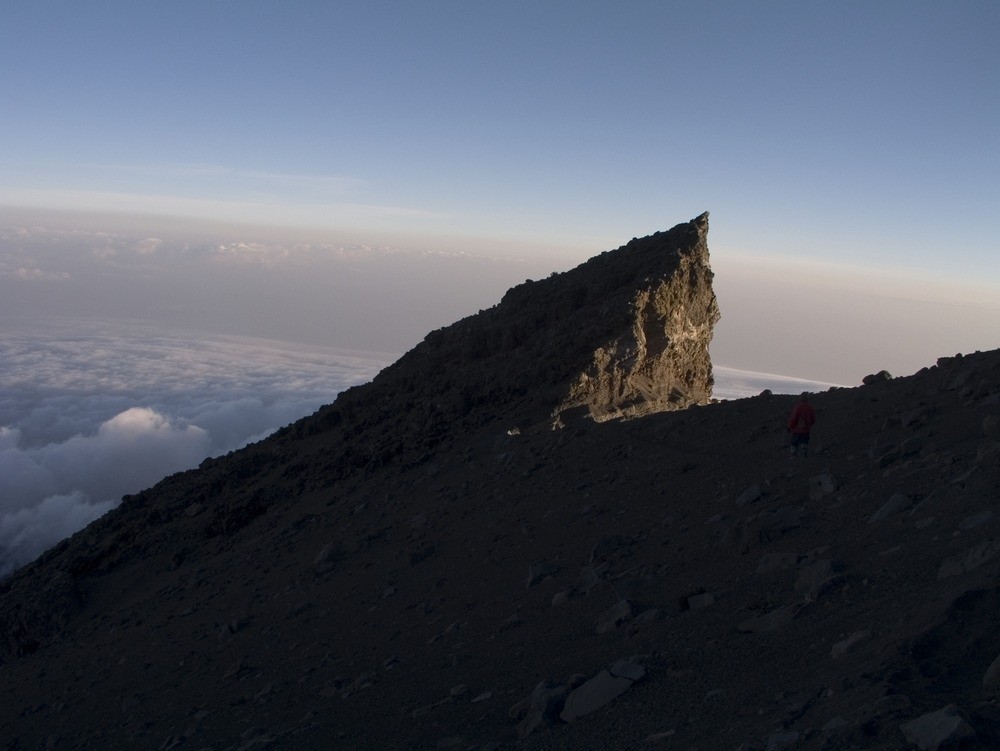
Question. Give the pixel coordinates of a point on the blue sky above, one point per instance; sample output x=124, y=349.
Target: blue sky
x=861, y=131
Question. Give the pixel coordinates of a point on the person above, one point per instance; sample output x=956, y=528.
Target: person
x=800, y=424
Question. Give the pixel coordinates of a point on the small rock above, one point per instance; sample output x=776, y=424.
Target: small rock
x=935, y=731
x=881, y=377
x=911, y=446
x=988, y=453
x=782, y=741
x=614, y=617
x=963, y=562
x=841, y=648
x=916, y=417
x=822, y=486
x=538, y=572
x=513, y=622
x=810, y=577
x=610, y=546
x=749, y=495
x=835, y=724
x=628, y=669
x=326, y=559
x=600, y=690
x=422, y=554
x=959, y=380
x=991, y=679
x=775, y=619
x=896, y=503
x=883, y=460
x=776, y=561
x=975, y=520
x=542, y=706
x=657, y=737
x=593, y=574
x=697, y=602
x=892, y=703
x=991, y=426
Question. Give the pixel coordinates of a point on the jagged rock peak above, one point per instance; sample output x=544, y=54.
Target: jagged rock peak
x=624, y=334
x=660, y=360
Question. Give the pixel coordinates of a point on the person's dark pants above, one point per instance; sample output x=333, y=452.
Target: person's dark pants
x=800, y=444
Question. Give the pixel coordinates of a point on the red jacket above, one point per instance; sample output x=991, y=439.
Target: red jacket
x=802, y=419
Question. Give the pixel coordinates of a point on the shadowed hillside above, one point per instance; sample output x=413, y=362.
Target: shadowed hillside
x=468, y=553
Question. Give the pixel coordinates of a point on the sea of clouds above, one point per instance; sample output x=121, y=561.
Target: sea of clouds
x=91, y=413
x=731, y=383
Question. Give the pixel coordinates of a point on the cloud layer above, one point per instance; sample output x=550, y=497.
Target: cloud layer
x=87, y=416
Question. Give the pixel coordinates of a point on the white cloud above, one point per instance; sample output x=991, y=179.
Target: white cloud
x=130, y=451
x=148, y=246
x=23, y=481
x=31, y=274
x=309, y=204
x=52, y=491
x=28, y=532
x=89, y=413
x=739, y=384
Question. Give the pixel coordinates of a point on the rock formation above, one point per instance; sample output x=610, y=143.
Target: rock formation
x=626, y=333
x=658, y=358
x=427, y=564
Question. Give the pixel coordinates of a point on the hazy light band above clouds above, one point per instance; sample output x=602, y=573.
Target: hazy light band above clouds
x=259, y=208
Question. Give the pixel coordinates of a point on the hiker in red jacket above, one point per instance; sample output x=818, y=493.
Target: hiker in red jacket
x=800, y=422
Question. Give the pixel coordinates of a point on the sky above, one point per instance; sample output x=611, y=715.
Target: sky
x=856, y=131
x=215, y=215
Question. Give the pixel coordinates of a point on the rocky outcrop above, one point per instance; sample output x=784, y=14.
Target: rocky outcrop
x=658, y=361
x=625, y=334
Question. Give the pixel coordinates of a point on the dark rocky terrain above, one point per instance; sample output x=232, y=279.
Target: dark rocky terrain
x=468, y=553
